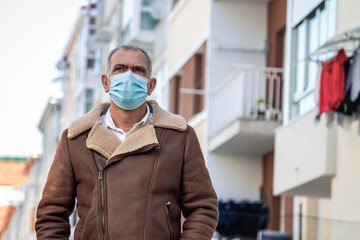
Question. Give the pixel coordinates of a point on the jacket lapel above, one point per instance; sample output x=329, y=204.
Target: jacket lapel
x=108, y=144
x=140, y=138
x=102, y=140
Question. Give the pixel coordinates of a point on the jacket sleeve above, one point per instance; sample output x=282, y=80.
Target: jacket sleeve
x=199, y=201
x=58, y=199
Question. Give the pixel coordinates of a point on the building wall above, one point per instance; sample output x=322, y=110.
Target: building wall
x=69, y=110
x=243, y=43
x=235, y=177
x=325, y=223
x=347, y=15
x=199, y=124
x=309, y=218
x=333, y=217
x=308, y=157
x=174, y=99
x=192, y=77
x=189, y=26
x=276, y=24
x=276, y=32
x=267, y=191
x=190, y=73
x=200, y=129
x=288, y=215
x=301, y=8
x=344, y=194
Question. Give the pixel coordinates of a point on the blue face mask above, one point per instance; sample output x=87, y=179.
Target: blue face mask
x=128, y=90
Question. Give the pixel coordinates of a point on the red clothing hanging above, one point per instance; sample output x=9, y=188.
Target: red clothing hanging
x=332, y=83
x=324, y=102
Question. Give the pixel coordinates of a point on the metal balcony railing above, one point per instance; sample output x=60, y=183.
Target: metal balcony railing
x=249, y=92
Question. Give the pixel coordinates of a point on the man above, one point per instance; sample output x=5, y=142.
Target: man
x=132, y=166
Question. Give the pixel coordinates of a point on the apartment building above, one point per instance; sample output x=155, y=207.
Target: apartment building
x=77, y=65
x=317, y=161
x=124, y=22
x=220, y=65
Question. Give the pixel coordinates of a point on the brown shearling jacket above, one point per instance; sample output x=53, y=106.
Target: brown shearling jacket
x=131, y=190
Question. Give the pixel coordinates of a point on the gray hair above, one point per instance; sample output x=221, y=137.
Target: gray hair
x=129, y=47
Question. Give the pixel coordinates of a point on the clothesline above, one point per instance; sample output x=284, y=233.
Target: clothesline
x=349, y=41
x=339, y=86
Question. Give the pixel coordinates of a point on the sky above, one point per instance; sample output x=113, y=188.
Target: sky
x=33, y=35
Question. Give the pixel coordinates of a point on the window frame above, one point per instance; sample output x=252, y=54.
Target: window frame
x=299, y=96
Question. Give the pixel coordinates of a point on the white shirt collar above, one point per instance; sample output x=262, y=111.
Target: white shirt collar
x=108, y=122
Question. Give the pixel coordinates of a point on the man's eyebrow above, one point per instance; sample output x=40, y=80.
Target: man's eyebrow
x=139, y=66
x=120, y=65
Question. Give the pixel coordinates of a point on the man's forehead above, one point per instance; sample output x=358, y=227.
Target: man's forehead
x=134, y=57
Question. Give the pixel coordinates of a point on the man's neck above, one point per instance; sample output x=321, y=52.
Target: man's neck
x=125, y=119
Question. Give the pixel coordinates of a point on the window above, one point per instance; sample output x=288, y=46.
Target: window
x=151, y=12
x=147, y=21
x=90, y=63
x=313, y=31
x=146, y=2
x=92, y=20
x=89, y=100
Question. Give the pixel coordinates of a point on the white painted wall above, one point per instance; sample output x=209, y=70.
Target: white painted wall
x=235, y=177
x=345, y=185
x=309, y=221
x=108, y=10
x=238, y=34
x=348, y=16
x=337, y=217
x=300, y=9
x=161, y=38
x=128, y=13
x=237, y=24
x=189, y=27
x=304, y=152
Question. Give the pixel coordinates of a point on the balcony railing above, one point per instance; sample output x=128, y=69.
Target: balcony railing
x=249, y=92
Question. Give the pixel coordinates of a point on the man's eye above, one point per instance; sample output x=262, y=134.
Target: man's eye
x=139, y=70
x=119, y=69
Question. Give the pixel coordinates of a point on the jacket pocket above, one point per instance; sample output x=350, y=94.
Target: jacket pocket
x=167, y=213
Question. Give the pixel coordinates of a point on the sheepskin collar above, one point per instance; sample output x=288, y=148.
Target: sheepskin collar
x=107, y=143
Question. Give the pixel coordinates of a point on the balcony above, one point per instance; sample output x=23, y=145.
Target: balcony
x=104, y=34
x=244, y=110
x=305, y=157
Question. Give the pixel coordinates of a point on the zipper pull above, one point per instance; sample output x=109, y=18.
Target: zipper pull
x=100, y=176
x=167, y=203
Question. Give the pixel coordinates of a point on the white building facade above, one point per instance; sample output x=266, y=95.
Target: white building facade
x=317, y=162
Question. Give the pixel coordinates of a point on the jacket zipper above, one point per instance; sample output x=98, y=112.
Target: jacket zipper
x=167, y=211
x=101, y=179
x=102, y=202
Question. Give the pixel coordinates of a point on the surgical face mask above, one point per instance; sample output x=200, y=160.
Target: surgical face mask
x=128, y=90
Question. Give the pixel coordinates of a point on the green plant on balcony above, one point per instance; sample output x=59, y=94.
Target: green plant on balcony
x=261, y=105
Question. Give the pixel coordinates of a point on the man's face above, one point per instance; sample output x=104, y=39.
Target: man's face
x=124, y=60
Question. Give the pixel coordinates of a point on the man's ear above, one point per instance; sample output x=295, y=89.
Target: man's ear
x=151, y=86
x=105, y=82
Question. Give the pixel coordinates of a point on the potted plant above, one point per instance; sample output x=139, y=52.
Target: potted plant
x=261, y=105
